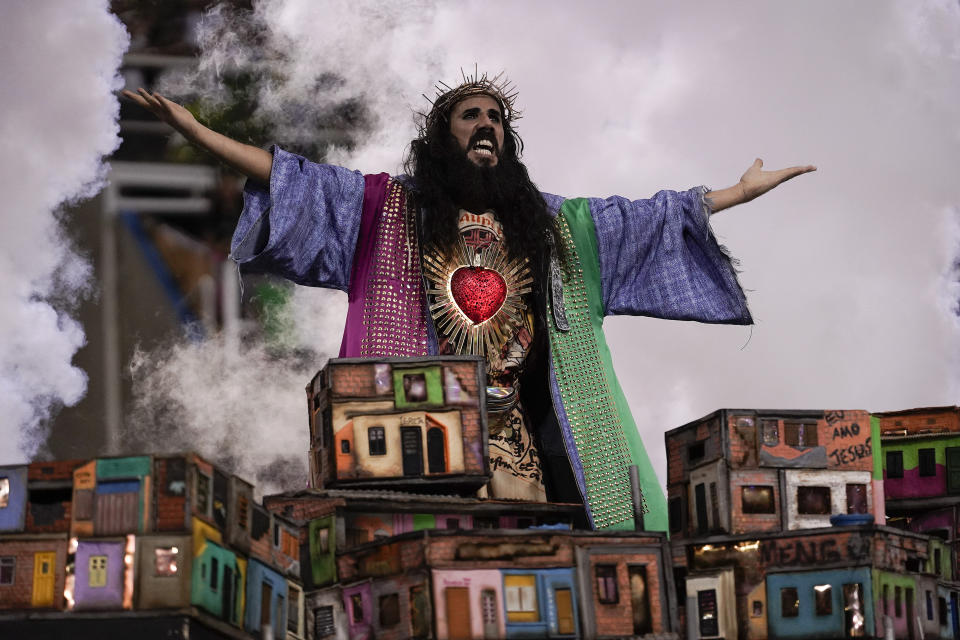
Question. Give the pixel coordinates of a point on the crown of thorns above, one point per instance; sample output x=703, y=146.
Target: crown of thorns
x=498, y=87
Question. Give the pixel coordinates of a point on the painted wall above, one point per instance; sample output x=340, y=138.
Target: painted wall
x=837, y=481
x=807, y=623
x=133, y=468
x=217, y=582
x=358, y=607
x=718, y=505
x=885, y=586
x=316, y=610
x=726, y=606
x=157, y=590
x=476, y=581
x=912, y=484
x=322, y=547
x=258, y=575
x=13, y=516
x=110, y=594
x=391, y=463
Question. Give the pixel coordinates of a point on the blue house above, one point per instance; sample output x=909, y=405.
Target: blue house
x=13, y=498
x=540, y=603
x=266, y=600
x=820, y=604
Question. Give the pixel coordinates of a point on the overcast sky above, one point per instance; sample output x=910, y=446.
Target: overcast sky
x=850, y=269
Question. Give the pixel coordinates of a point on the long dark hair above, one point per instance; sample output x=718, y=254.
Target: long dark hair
x=439, y=170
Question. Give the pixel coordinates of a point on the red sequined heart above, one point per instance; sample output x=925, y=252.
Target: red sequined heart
x=478, y=292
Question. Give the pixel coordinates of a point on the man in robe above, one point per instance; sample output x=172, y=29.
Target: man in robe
x=465, y=255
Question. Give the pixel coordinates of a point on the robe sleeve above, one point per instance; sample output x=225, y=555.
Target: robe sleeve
x=659, y=257
x=304, y=225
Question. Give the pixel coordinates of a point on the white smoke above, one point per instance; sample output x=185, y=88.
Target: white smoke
x=58, y=121
x=845, y=266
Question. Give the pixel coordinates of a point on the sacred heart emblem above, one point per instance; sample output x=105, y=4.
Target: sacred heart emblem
x=478, y=292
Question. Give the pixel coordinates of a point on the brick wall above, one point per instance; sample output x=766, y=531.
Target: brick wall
x=60, y=470
x=170, y=509
x=947, y=418
x=19, y=595
x=678, y=448
x=616, y=619
x=352, y=380
x=741, y=522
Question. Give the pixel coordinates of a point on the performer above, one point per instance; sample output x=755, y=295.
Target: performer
x=465, y=255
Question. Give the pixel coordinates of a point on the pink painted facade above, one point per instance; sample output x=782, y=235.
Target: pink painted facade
x=475, y=582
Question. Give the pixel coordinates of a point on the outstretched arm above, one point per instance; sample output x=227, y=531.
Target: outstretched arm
x=251, y=161
x=753, y=183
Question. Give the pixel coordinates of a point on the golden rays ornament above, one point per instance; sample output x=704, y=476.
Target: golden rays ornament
x=478, y=296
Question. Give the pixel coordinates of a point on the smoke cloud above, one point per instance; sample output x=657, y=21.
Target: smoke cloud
x=851, y=270
x=59, y=121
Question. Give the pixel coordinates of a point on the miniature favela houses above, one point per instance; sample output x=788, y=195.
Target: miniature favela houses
x=780, y=531
x=784, y=524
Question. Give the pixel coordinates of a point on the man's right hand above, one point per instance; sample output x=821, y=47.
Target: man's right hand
x=167, y=110
x=251, y=161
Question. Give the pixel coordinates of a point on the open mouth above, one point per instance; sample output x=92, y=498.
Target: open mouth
x=483, y=147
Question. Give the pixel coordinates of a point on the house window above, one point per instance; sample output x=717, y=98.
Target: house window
x=293, y=610
x=381, y=378
x=675, y=513
x=389, y=610
x=789, y=602
x=756, y=611
x=323, y=540
x=8, y=565
x=276, y=534
x=243, y=508
x=854, y=619
x=203, y=493
x=823, y=596
x=800, y=435
x=886, y=599
x=757, y=499
x=771, y=436
x=214, y=574
x=897, y=602
x=165, y=561
x=857, y=498
x=928, y=462
x=4, y=492
x=607, y=592
x=813, y=501
x=942, y=610
x=415, y=387
x=377, y=441
x=97, y=567
x=520, y=592
x=707, y=611
x=894, y=464
x=936, y=561
x=929, y=605
x=344, y=446
x=696, y=451
x=323, y=622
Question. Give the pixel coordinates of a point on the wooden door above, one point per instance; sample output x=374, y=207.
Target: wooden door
x=44, y=578
x=412, y=444
x=564, y=601
x=458, y=613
